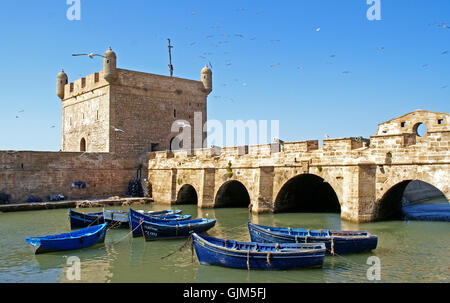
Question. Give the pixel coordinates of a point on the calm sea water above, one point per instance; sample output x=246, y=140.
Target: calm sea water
x=410, y=251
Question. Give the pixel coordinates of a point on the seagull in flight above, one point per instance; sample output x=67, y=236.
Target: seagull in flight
x=183, y=124
x=117, y=129
x=90, y=55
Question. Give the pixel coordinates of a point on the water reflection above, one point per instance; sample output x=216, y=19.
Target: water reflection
x=410, y=251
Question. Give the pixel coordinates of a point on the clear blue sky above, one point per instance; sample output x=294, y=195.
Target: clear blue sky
x=292, y=72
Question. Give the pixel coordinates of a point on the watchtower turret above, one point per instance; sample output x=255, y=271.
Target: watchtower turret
x=61, y=81
x=206, y=75
x=109, y=65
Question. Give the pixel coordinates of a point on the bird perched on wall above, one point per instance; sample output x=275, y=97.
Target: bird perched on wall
x=91, y=55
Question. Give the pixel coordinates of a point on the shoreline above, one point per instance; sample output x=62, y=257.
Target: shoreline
x=16, y=207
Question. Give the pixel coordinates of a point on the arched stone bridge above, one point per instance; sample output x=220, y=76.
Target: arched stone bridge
x=363, y=179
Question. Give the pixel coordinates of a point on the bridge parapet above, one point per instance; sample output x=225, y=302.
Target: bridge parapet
x=392, y=141
x=344, y=144
x=303, y=146
x=264, y=149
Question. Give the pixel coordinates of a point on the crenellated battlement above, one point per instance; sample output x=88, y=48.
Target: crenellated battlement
x=84, y=85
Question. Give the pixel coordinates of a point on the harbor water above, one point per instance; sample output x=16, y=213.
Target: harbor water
x=408, y=251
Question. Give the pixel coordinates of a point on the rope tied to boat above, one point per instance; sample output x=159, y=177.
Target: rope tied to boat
x=332, y=246
x=248, y=259
x=268, y=258
x=140, y=223
x=179, y=249
x=114, y=225
x=142, y=230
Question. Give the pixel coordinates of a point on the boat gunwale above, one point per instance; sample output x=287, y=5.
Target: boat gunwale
x=266, y=229
x=100, y=228
x=178, y=225
x=281, y=253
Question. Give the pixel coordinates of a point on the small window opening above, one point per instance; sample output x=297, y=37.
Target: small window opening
x=83, y=145
x=403, y=124
x=440, y=121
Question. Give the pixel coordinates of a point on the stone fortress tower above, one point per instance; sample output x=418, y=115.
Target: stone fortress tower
x=124, y=111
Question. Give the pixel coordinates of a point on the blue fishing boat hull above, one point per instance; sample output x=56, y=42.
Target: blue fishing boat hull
x=170, y=230
x=82, y=220
x=336, y=242
x=135, y=219
x=260, y=256
x=69, y=241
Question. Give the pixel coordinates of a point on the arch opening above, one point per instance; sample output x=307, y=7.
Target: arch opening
x=83, y=145
x=232, y=194
x=413, y=200
x=187, y=195
x=309, y=194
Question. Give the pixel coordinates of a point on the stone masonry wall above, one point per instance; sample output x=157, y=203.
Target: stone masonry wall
x=47, y=173
x=144, y=106
x=85, y=114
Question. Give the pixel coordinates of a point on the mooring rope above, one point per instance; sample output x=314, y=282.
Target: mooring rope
x=248, y=259
x=332, y=246
x=142, y=230
x=189, y=239
x=268, y=258
x=96, y=220
x=140, y=223
x=114, y=225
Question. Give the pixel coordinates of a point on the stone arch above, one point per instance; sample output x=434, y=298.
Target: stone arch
x=307, y=193
x=187, y=195
x=83, y=145
x=232, y=194
x=439, y=178
x=389, y=206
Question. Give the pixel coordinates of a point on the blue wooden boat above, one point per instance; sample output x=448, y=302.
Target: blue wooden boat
x=265, y=256
x=82, y=220
x=69, y=241
x=178, y=229
x=135, y=219
x=337, y=242
x=164, y=212
x=116, y=218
